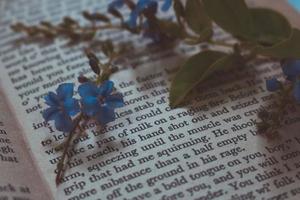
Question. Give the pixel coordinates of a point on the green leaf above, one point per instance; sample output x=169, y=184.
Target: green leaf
x=196, y=16
x=206, y=35
x=196, y=69
x=289, y=48
x=171, y=29
x=231, y=15
x=270, y=26
x=264, y=26
x=107, y=47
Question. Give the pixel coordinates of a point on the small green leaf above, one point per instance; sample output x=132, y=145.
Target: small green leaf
x=170, y=28
x=270, y=26
x=95, y=16
x=196, y=69
x=204, y=37
x=101, y=17
x=107, y=47
x=115, y=13
x=231, y=15
x=289, y=48
x=196, y=17
x=93, y=62
x=68, y=21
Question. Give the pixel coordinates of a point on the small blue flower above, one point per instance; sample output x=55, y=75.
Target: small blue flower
x=62, y=107
x=272, y=85
x=166, y=6
x=296, y=91
x=291, y=69
x=116, y=4
x=142, y=5
x=100, y=102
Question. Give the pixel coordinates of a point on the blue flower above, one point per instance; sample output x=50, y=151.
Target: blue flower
x=150, y=6
x=142, y=5
x=296, y=91
x=116, y=4
x=62, y=107
x=166, y=6
x=100, y=102
x=291, y=69
x=272, y=85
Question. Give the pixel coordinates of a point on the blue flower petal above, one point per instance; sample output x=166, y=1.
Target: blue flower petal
x=65, y=91
x=106, y=88
x=115, y=4
x=150, y=5
x=50, y=113
x=296, y=91
x=272, y=85
x=166, y=6
x=87, y=89
x=63, y=122
x=291, y=69
x=90, y=105
x=105, y=115
x=51, y=99
x=132, y=19
x=115, y=100
x=71, y=106
x=142, y=4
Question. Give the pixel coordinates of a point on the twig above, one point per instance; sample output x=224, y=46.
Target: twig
x=61, y=163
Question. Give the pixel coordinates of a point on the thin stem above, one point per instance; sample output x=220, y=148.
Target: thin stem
x=60, y=164
x=108, y=26
x=221, y=43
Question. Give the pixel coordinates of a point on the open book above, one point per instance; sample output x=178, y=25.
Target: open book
x=207, y=150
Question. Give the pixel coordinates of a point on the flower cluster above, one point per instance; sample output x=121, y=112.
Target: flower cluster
x=143, y=9
x=291, y=69
x=142, y=19
x=148, y=8
x=98, y=102
x=288, y=94
x=194, y=25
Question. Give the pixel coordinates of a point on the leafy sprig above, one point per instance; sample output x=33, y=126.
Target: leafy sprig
x=98, y=101
x=257, y=32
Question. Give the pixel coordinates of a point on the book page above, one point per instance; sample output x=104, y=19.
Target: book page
x=19, y=177
x=207, y=150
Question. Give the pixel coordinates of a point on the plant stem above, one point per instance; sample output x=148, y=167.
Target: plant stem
x=61, y=163
x=221, y=43
x=92, y=28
